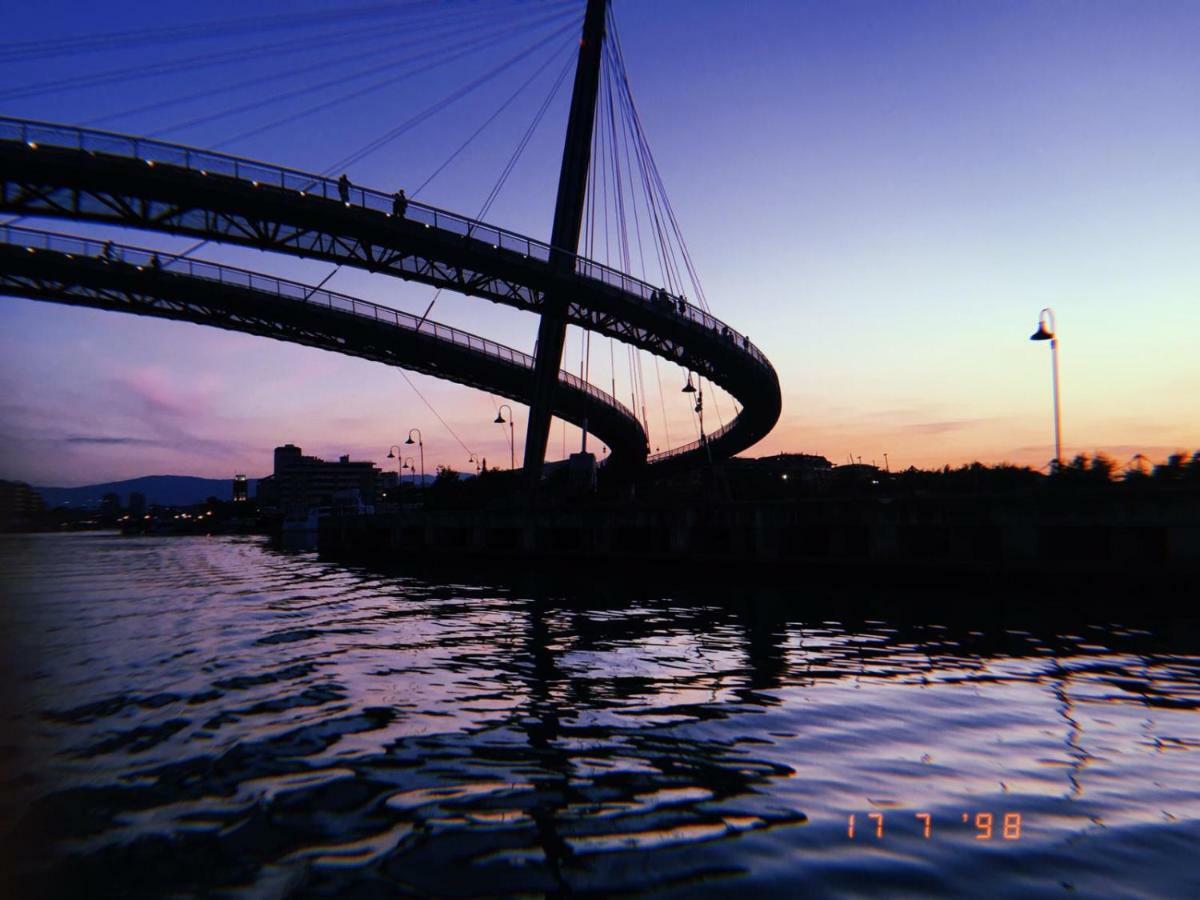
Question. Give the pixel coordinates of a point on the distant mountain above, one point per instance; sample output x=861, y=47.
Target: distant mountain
x=165, y=490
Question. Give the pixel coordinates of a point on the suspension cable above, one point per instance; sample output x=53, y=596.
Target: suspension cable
x=492, y=118
x=451, y=98
x=667, y=225
x=654, y=171
x=445, y=424
x=17, y=51
x=512, y=160
x=433, y=28
x=190, y=63
x=524, y=142
x=438, y=56
x=379, y=85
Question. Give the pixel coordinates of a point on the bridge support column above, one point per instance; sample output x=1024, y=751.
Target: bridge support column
x=564, y=237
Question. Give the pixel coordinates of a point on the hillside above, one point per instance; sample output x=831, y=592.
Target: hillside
x=165, y=490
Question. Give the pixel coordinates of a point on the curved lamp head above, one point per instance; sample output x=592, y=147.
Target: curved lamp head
x=689, y=388
x=391, y=455
x=1043, y=333
x=410, y=440
x=499, y=420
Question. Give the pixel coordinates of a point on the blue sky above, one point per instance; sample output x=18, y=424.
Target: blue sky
x=883, y=195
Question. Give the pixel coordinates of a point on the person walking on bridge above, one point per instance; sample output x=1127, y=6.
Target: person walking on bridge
x=344, y=188
x=399, y=204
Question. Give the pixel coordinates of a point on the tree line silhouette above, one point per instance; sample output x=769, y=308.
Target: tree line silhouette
x=1181, y=470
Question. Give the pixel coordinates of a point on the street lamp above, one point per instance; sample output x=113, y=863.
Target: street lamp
x=408, y=464
x=512, y=453
x=1050, y=334
x=421, y=447
x=394, y=453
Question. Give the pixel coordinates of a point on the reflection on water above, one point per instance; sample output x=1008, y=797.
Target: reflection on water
x=198, y=714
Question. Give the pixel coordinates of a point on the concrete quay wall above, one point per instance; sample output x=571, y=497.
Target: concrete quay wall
x=1161, y=533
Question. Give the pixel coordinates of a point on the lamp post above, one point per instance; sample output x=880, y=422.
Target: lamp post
x=690, y=388
x=408, y=464
x=1050, y=334
x=512, y=453
x=394, y=453
x=421, y=447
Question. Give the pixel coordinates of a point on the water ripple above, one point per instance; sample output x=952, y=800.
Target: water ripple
x=200, y=715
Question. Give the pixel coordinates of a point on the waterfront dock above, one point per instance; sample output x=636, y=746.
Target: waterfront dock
x=1097, y=534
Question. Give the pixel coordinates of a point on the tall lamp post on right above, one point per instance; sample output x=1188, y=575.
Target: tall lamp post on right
x=1050, y=334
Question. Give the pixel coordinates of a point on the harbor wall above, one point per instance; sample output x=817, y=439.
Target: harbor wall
x=1157, y=533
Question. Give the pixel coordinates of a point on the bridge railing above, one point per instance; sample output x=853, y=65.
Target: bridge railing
x=689, y=447
x=34, y=240
x=261, y=174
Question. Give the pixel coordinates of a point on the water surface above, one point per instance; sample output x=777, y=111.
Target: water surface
x=209, y=715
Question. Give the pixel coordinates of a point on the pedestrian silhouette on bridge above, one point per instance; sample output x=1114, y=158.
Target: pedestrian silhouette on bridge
x=399, y=204
x=155, y=262
x=344, y=188
x=683, y=306
x=109, y=253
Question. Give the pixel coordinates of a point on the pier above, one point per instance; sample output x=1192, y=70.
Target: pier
x=1157, y=534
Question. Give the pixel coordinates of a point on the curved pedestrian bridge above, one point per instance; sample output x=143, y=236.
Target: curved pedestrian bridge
x=63, y=172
